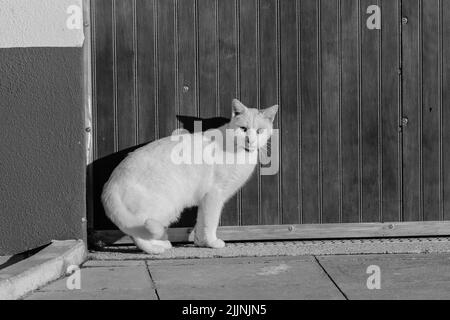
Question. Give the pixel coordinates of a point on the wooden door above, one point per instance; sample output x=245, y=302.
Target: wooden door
x=347, y=165
x=426, y=132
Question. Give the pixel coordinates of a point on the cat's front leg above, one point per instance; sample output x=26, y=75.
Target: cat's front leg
x=208, y=220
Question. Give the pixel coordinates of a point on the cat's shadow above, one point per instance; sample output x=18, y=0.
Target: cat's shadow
x=100, y=170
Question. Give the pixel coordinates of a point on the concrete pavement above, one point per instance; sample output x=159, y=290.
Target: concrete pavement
x=399, y=276
x=403, y=276
x=115, y=280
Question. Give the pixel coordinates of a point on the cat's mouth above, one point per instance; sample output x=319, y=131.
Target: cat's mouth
x=249, y=149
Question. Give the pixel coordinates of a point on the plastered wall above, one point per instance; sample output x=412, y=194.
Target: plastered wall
x=42, y=151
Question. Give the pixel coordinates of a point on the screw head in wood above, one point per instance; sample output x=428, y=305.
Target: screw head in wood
x=404, y=121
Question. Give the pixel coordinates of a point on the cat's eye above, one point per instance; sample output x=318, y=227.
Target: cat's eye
x=244, y=129
x=259, y=131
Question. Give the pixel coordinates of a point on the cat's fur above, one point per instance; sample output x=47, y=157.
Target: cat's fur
x=148, y=191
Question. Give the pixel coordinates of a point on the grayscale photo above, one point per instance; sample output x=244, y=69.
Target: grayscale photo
x=224, y=154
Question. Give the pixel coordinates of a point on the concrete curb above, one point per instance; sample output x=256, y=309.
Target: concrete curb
x=47, y=265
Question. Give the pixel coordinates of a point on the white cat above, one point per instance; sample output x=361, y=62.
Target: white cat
x=149, y=190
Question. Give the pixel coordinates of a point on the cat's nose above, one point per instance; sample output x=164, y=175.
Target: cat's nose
x=251, y=134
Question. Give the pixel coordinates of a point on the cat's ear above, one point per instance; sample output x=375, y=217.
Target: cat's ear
x=237, y=107
x=270, y=112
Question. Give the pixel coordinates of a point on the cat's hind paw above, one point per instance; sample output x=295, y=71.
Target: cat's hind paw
x=152, y=246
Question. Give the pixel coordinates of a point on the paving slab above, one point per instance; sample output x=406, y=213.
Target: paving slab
x=119, y=294
x=100, y=280
x=281, y=278
x=402, y=276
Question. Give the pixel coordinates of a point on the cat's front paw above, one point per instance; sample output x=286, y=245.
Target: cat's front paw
x=215, y=244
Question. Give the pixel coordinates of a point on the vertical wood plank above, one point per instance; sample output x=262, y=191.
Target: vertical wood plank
x=390, y=111
x=369, y=118
x=104, y=124
x=166, y=63
x=411, y=107
x=290, y=112
x=350, y=110
x=207, y=58
x=445, y=121
x=269, y=97
x=309, y=111
x=330, y=74
x=145, y=27
x=430, y=110
x=249, y=96
x=187, y=87
x=227, y=34
x=126, y=104
x=228, y=59
x=187, y=58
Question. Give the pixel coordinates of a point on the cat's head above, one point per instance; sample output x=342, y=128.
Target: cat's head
x=252, y=127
